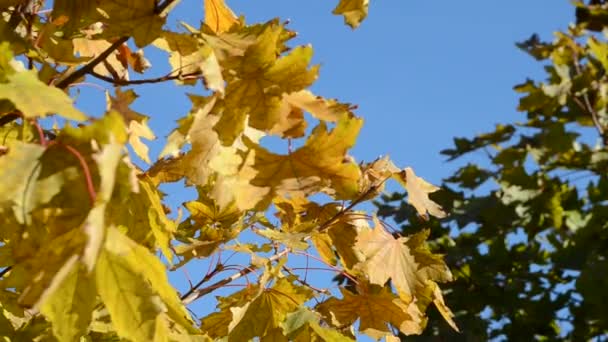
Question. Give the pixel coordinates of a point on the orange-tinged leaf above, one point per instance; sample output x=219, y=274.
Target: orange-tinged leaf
x=218, y=16
x=376, y=307
x=320, y=165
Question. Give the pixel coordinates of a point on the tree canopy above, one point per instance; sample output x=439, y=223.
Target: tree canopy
x=87, y=238
x=527, y=238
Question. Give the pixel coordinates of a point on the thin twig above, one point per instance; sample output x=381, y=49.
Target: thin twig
x=160, y=79
x=195, y=294
x=304, y=282
x=206, y=278
x=7, y=118
x=88, y=68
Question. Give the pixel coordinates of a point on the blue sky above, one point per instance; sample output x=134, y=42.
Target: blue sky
x=421, y=72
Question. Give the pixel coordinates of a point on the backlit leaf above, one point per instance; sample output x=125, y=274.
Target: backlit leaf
x=376, y=308
x=48, y=100
x=218, y=16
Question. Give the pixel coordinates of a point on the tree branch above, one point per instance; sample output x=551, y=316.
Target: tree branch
x=88, y=68
x=64, y=83
x=195, y=294
x=165, y=78
x=4, y=119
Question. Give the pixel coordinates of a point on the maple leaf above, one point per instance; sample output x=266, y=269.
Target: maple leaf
x=70, y=307
x=304, y=325
x=125, y=268
x=376, y=307
x=112, y=65
x=191, y=56
x=354, y=11
x=136, y=122
x=291, y=121
x=218, y=16
x=319, y=165
x=137, y=19
x=48, y=100
x=256, y=94
x=408, y=265
x=266, y=311
x=418, y=191
x=216, y=323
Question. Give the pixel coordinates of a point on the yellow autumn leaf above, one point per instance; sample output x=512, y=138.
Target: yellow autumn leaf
x=135, y=308
x=94, y=227
x=354, y=11
x=91, y=48
x=48, y=100
x=376, y=307
x=70, y=307
x=136, y=122
x=320, y=165
x=304, y=325
x=418, y=191
x=266, y=312
x=191, y=56
x=146, y=267
x=408, y=266
x=256, y=94
x=218, y=16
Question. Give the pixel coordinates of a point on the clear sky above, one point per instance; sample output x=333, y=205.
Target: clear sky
x=422, y=72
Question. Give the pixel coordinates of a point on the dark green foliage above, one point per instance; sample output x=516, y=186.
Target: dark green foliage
x=530, y=255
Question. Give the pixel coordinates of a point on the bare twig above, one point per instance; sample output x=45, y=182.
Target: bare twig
x=4, y=119
x=304, y=282
x=120, y=82
x=195, y=294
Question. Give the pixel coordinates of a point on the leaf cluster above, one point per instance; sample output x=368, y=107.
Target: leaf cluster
x=87, y=237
